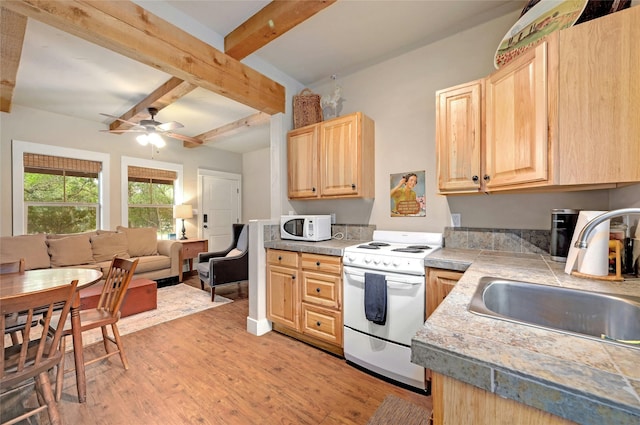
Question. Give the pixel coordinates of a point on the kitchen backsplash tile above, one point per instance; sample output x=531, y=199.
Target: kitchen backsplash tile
x=354, y=232
x=508, y=240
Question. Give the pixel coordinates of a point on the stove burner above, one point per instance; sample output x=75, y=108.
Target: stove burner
x=419, y=247
x=411, y=250
x=369, y=246
x=379, y=244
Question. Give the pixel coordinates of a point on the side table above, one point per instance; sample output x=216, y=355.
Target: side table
x=190, y=250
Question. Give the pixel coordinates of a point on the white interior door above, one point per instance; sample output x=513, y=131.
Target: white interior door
x=220, y=209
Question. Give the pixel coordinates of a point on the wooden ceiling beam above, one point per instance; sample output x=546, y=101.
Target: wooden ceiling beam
x=12, y=30
x=161, y=97
x=269, y=23
x=230, y=129
x=132, y=31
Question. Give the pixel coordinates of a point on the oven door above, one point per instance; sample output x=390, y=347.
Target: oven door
x=405, y=305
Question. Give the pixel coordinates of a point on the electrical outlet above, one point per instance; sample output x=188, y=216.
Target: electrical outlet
x=455, y=220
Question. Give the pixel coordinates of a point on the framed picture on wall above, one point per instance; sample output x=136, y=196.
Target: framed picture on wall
x=407, y=194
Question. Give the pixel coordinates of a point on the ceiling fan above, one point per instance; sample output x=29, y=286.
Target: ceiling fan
x=151, y=130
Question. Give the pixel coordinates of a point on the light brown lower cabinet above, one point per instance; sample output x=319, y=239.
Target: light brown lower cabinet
x=304, y=299
x=458, y=403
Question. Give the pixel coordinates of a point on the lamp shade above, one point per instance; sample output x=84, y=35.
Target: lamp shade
x=182, y=211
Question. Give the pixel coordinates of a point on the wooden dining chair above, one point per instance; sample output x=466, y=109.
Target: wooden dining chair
x=107, y=313
x=14, y=266
x=39, y=351
x=14, y=323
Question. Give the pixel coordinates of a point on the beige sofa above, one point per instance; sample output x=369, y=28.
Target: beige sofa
x=159, y=259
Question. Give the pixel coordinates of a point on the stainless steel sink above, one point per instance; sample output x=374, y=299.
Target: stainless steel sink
x=613, y=318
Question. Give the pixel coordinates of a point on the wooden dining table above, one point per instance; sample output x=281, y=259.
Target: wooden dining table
x=17, y=284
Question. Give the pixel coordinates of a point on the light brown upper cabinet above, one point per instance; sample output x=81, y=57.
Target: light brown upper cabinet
x=332, y=159
x=562, y=116
x=459, y=137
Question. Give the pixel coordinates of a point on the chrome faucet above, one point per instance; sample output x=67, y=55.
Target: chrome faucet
x=581, y=242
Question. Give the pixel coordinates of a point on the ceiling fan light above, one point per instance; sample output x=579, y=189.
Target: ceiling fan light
x=143, y=139
x=156, y=140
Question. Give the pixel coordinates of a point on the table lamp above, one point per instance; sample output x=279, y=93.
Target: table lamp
x=182, y=211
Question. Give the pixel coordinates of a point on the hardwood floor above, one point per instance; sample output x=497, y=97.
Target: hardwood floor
x=206, y=369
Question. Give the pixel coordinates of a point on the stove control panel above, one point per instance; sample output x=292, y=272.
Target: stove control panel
x=386, y=263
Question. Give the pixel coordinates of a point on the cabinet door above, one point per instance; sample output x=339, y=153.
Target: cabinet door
x=340, y=155
x=599, y=106
x=439, y=284
x=459, y=136
x=516, y=122
x=302, y=159
x=282, y=296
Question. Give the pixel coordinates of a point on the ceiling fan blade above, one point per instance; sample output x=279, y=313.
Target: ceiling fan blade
x=185, y=138
x=168, y=126
x=119, y=119
x=123, y=131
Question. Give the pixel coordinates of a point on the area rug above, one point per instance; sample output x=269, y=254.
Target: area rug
x=173, y=302
x=395, y=410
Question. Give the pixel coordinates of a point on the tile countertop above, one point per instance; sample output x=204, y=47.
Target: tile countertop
x=583, y=380
x=333, y=247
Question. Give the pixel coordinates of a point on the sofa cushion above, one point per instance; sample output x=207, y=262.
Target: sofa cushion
x=108, y=245
x=152, y=263
x=70, y=251
x=33, y=248
x=142, y=240
x=66, y=235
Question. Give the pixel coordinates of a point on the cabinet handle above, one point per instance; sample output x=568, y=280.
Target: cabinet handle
x=293, y=277
x=313, y=189
x=279, y=257
x=318, y=290
x=353, y=186
x=475, y=179
x=486, y=177
x=318, y=324
x=318, y=263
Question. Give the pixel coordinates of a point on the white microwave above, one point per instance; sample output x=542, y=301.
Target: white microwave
x=305, y=227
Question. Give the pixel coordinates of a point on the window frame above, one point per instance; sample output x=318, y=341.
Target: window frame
x=127, y=161
x=19, y=148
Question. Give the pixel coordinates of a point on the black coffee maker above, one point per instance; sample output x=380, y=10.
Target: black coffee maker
x=563, y=224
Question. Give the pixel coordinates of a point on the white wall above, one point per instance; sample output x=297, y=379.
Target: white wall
x=256, y=199
x=399, y=95
x=31, y=125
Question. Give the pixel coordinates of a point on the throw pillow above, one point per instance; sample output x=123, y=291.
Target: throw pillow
x=243, y=239
x=108, y=245
x=33, y=248
x=142, y=240
x=70, y=251
x=233, y=252
x=66, y=235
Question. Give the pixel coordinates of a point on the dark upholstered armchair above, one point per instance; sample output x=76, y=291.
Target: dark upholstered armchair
x=228, y=266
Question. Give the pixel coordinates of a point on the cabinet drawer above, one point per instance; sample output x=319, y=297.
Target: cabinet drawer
x=192, y=249
x=321, y=263
x=322, y=289
x=282, y=258
x=322, y=323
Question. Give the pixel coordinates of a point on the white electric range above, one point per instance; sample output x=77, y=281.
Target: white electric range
x=384, y=348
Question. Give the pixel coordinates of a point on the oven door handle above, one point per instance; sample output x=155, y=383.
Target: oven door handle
x=392, y=282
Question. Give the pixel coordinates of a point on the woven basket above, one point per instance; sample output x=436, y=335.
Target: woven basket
x=306, y=108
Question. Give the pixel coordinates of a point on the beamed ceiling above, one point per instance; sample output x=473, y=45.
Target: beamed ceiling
x=132, y=59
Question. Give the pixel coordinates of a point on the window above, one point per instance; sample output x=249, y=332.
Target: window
x=61, y=195
x=151, y=198
x=150, y=189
